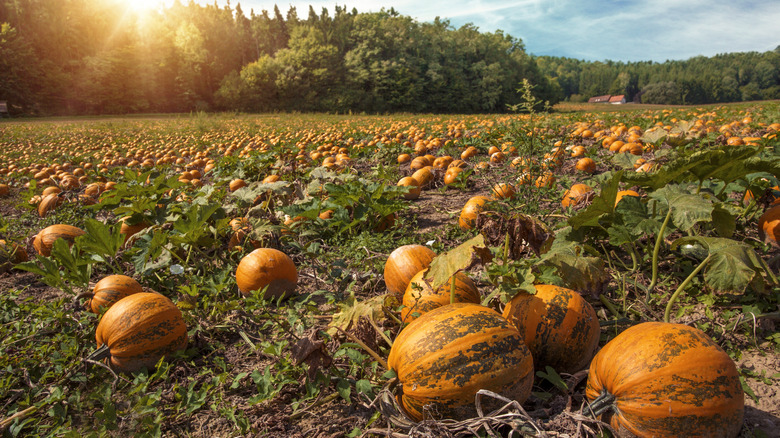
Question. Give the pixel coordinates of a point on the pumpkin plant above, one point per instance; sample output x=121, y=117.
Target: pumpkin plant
x=660, y=379
x=420, y=297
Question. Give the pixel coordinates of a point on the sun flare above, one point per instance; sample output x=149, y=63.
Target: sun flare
x=144, y=5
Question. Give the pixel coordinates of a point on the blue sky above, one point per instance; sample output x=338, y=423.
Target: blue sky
x=593, y=30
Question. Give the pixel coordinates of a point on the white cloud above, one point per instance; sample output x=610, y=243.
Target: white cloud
x=620, y=30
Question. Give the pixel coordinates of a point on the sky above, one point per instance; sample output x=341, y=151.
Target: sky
x=592, y=30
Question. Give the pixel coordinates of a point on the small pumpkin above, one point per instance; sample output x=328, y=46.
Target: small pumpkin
x=623, y=193
x=403, y=263
x=586, y=165
x=503, y=191
x=420, y=298
x=139, y=330
x=236, y=184
x=769, y=226
x=560, y=328
x=666, y=380
x=424, y=176
x=267, y=267
x=130, y=227
x=44, y=240
x=111, y=289
x=5, y=190
x=445, y=356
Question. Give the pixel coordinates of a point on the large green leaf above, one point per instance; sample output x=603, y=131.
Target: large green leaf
x=687, y=208
x=603, y=204
x=733, y=265
x=579, y=272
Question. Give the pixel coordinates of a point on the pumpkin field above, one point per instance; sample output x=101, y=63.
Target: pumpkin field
x=593, y=271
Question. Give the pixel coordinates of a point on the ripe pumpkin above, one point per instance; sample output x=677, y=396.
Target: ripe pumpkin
x=503, y=191
x=413, y=185
x=575, y=195
x=769, y=226
x=44, y=240
x=424, y=176
x=470, y=211
x=666, y=380
x=445, y=356
x=237, y=184
x=5, y=190
x=128, y=228
x=420, y=298
x=451, y=175
x=403, y=263
x=48, y=204
x=559, y=327
x=139, y=330
x=586, y=165
x=111, y=289
x=623, y=193
x=267, y=267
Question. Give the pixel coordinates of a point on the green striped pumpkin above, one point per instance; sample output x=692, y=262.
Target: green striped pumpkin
x=446, y=355
x=138, y=330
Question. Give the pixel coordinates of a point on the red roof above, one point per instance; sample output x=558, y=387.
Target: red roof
x=599, y=99
x=617, y=98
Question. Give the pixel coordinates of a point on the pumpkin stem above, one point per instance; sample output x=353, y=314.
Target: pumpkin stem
x=656, y=249
x=101, y=353
x=682, y=287
x=604, y=402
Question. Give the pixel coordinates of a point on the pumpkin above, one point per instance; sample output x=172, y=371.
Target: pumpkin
x=139, y=330
x=420, y=298
x=129, y=228
x=48, y=204
x=111, y=289
x=445, y=356
x=559, y=327
x=503, y=191
x=623, y=193
x=769, y=226
x=236, y=184
x=666, y=380
x=242, y=229
x=11, y=254
x=5, y=190
x=413, y=185
x=451, y=175
x=44, y=240
x=586, y=165
x=424, y=176
x=267, y=267
x=575, y=195
x=403, y=263
x=470, y=211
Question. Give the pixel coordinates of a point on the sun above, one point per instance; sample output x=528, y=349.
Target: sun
x=143, y=5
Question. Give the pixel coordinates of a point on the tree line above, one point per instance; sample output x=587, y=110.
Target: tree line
x=69, y=57
x=730, y=77
x=96, y=57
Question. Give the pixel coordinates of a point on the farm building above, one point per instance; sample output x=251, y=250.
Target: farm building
x=599, y=99
x=618, y=99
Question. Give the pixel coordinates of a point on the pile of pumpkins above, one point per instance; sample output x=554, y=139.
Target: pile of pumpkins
x=653, y=379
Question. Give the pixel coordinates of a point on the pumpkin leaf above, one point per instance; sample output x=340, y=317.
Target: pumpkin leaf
x=352, y=310
x=466, y=255
x=101, y=239
x=733, y=265
x=687, y=208
x=577, y=271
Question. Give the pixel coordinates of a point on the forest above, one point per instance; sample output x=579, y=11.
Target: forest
x=81, y=57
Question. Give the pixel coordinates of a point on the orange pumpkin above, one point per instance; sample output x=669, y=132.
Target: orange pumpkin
x=236, y=184
x=413, y=185
x=575, y=195
x=470, y=211
x=623, y=193
x=559, y=327
x=586, y=165
x=769, y=226
x=111, y=289
x=445, y=356
x=503, y=191
x=48, y=204
x=267, y=267
x=129, y=228
x=666, y=380
x=139, y=330
x=403, y=263
x=420, y=298
x=44, y=240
